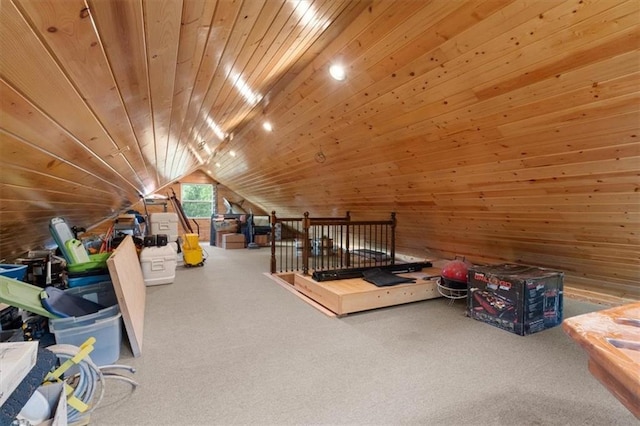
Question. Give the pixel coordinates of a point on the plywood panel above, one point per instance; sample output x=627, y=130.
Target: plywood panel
x=355, y=295
x=128, y=284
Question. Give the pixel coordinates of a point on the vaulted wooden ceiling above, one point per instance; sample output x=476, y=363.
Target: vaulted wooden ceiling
x=499, y=130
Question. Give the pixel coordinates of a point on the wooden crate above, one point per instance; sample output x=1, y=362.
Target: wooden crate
x=355, y=294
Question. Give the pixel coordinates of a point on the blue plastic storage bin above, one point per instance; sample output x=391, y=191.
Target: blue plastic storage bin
x=13, y=271
x=83, y=281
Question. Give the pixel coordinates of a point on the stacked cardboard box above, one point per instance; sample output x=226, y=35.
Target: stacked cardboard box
x=233, y=241
x=219, y=237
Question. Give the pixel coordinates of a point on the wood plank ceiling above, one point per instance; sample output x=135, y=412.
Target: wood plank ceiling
x=499, y=130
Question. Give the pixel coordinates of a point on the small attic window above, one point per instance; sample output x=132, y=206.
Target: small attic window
x=198, y=200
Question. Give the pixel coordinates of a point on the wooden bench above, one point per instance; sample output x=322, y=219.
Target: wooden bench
x=611, y=338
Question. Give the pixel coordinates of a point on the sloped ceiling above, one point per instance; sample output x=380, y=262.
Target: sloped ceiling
x=498, y=130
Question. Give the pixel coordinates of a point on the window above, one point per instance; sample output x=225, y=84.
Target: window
x=198, y=200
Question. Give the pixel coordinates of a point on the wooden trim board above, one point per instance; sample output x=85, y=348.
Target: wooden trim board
x=128, y=284
x=286, y=281
x=611, y=338
x=355, y=294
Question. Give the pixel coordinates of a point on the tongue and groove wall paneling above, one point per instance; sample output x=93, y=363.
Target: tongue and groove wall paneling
x=66, y=28
x=232, y=82
x=319, y=51
x=310, y=89
x=29, y=69
x=501, y=130
x=121, y=29
x=51, y=141
x=227, y=72
x=269, y=56
x=218, y=36
x=162, y=36
x=196, y=24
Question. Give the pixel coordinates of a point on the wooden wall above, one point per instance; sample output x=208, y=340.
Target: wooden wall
x=500, y=131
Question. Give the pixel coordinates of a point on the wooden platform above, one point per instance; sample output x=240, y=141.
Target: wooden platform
x=611, y=338
x=355, y=295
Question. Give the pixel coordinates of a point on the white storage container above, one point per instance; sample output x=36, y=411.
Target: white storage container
x=158, y=265
x=164, y=223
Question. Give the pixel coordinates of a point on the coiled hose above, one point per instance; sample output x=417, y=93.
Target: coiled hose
x=88, y=384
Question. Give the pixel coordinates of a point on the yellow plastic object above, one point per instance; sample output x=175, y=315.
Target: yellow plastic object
x=192, y=257
x=191, y=242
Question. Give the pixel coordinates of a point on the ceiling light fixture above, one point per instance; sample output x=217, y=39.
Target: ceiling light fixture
x=337, y=72
x=267, y=126
x=232, y=153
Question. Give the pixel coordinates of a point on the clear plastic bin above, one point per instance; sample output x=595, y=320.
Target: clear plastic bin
x=107, y=332
x=105, y=325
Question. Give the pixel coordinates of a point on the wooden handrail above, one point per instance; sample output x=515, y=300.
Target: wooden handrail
x=342, y=227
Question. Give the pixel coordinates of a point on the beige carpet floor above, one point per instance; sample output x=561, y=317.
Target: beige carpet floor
x=225, y=344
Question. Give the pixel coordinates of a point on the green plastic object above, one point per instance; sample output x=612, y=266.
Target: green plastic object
x=23, y=295
x=96, y=261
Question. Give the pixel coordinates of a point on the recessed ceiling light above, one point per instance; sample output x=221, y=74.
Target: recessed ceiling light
x=267, y=126
x=218, y=164
x=337, y=72
x=232, y=153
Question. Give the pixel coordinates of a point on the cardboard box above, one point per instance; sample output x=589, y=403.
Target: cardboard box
x=517, y=298
x=234, y=246
x=219, y=237
x=233, y=238
x=261, y=240
x=16, y=360
x=233, y=241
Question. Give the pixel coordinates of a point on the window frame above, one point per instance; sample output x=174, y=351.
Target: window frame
x=186, y=202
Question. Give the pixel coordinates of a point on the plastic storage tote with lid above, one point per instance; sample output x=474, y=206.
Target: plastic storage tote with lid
x=105, y=325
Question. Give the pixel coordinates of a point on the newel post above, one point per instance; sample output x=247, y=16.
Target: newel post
x=347, y=251
x=393, y=238
x=306, y=250
x=273, y=241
